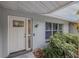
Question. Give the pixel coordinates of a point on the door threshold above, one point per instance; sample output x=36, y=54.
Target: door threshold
x=18, y=53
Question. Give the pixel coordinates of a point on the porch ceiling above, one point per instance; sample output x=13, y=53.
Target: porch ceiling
x=69, y=13
x=40, y=7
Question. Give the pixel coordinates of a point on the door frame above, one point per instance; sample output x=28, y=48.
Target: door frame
x=25, y=38
x=26, y=44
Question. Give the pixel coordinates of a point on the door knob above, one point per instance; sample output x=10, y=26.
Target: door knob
x=24, y=35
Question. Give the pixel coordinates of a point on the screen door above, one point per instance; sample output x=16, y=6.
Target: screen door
x=28, y=35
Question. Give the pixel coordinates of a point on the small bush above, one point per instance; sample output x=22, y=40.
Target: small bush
x=62, y=45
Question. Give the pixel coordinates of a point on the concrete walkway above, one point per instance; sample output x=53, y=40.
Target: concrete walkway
x=27, y=55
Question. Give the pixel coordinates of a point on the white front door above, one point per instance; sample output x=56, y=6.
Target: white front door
x=16, y=32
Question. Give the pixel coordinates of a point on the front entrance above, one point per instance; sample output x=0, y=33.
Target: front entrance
x=19, y=34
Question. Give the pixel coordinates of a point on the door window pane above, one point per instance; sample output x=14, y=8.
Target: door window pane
x=18, y=23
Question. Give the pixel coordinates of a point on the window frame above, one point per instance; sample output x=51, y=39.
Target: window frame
x=52, y=30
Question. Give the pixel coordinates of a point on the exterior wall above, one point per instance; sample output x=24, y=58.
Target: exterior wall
x=0, y=36
x=38, y=39
x=72, y=29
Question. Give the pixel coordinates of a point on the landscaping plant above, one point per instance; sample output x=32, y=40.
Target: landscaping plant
x=62, y=45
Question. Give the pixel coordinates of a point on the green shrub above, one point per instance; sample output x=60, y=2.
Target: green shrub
x=61, y=45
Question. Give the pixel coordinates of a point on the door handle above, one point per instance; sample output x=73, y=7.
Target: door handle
x=24, y=35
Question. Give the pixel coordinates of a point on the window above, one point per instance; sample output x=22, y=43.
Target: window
x=48, y=30
x=52, y=28
x=48, y=26
x=55, y=28
x=60, y=28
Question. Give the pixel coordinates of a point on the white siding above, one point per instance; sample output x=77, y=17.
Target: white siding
x=0, y=35
x=39, y=38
